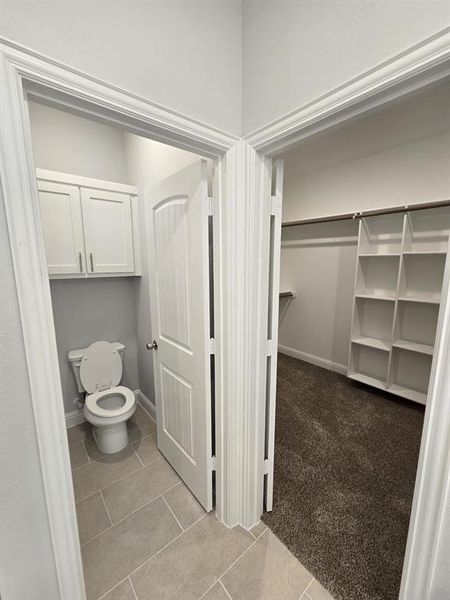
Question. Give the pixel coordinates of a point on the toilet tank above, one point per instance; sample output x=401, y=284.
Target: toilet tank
x=75, y=357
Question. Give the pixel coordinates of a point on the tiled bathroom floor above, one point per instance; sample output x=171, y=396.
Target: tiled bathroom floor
x=145, y=537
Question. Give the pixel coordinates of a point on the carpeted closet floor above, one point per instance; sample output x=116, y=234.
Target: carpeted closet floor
x=345, y=465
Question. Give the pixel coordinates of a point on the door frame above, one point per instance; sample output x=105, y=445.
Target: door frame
x=26, y=74
x=422, y=65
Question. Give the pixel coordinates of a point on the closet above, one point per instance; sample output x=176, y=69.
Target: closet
x=364, y=272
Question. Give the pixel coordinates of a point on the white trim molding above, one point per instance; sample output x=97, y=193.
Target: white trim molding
x=241, y=310
x=417, y=67
x=429, y=510
x=74, y=417
x=313, y=360
x=146, y=403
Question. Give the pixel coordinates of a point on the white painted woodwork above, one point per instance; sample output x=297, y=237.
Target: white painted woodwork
x=180, y=321
x=107, y=218
x=90, y=226
x=398, y=281
x=60, y=209
x=275, y=190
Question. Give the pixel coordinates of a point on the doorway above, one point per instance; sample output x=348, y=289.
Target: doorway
x=358, y=377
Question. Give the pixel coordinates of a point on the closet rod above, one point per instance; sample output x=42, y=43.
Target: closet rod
x=368, y=213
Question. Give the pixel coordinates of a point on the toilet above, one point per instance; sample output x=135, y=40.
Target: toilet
x=107, y=405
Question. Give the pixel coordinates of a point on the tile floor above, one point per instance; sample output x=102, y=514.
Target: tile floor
x=145, y=537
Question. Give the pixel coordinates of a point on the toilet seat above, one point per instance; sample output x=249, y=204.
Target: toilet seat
x=100, y=367
x=97, y=411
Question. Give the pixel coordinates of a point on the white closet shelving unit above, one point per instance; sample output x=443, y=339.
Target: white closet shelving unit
x=398, y=281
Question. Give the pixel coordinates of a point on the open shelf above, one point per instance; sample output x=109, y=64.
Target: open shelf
x=377, y=275
x=378, y=383
x=410, y=370
x=373, y=318
x=421, y=276
x=373, y=343
x=408, y=394
x=369, y=365
x=416, y=323
x=414, y=347
x=427, y=230
x=381, y=235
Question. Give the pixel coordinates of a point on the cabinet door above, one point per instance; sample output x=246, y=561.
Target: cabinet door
x=108, y=231
x=60, y=207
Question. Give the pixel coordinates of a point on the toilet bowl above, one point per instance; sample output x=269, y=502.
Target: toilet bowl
x=107, y=405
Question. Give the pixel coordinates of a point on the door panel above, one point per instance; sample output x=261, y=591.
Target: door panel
x=180, y=324
x=108, y=231
x=274, y=225
x=62, y=228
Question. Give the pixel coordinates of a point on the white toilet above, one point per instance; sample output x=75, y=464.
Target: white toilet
x=108, y=406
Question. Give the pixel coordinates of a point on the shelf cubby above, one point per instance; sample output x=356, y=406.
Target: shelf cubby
x=377, y=275
x=416, y=323
x=399, y=276
x=422, y=276
x=373, y=318
x=427, y=231
x=368, y=365
x=381, y=235
x=410, y=374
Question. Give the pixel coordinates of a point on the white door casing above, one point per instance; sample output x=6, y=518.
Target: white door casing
x=60, y=209
x=108, y=229
x=275, y=191
x=180, y=323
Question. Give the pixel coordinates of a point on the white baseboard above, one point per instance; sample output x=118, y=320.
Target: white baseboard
x=314, y=360
x=146, y=403
x=75, y=417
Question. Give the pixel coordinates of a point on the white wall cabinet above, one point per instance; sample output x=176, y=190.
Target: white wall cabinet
x=399, y=275
x=90, y=226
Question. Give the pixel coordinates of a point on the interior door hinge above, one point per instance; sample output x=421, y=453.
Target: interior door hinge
x=267, y=466
x=212, y=463
x=275, y=205
x=270, y=347
x=211, y=346
x=209, y=205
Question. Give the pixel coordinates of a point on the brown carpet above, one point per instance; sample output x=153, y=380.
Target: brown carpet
x=345, y=466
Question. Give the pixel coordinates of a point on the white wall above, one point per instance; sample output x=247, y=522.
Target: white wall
x=149, y=162
x=294, y=52
x=85, y=311
x=183, y=55
x=27, y=567
x=319, y=267
x=398, y=156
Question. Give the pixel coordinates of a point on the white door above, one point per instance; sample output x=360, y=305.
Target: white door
x=62, y=228
x=275, y=188
x=108, y=230
x=178, y=238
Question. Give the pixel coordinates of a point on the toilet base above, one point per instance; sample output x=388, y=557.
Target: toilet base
x=111, y=438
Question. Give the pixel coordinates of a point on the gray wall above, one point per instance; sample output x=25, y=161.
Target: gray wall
x=96, y=309
x=88, y=310
x=293, y=52
x=71, y=144
x=27, y=568
x=183, y=55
